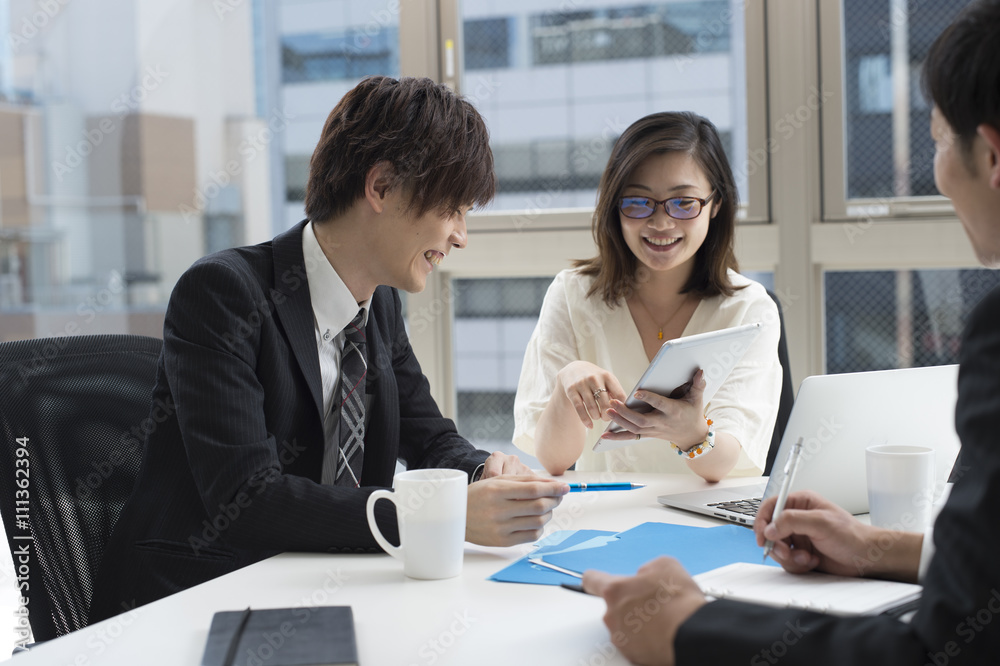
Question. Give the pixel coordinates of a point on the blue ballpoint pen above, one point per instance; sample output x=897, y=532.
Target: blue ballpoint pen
x=609, y=485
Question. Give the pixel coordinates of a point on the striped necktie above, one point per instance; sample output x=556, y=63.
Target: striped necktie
x=351, y=398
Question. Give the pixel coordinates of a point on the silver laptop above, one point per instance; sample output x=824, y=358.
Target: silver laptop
x=838, y=417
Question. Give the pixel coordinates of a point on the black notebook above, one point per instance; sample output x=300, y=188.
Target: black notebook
x=305, y=636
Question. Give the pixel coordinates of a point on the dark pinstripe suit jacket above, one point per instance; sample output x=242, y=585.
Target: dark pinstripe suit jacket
x=959, y=617
x=232, y=460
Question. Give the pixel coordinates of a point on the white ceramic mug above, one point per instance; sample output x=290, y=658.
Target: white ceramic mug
x=430, y=508
x=900, y=486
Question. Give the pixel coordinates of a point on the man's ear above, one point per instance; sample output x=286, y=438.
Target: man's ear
x=377, y=185
x=991, y=135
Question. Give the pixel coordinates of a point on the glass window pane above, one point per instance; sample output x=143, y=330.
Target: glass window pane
x=127, y=157
x=889, y=152
x=120, y=135
x=324, y=48
x=878, y=320
x=558, y=83
x=494, y=319
x=338, y=55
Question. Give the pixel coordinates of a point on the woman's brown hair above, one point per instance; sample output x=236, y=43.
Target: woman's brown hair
x=615, y=267
x=435, y=141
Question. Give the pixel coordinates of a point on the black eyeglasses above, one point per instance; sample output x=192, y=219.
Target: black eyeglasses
x=679, y=208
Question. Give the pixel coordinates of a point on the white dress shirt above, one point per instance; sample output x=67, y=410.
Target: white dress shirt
x=927, y=548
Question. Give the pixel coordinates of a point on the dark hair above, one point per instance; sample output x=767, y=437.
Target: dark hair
x=615, y=266
x=962, y=71
x=436, y=143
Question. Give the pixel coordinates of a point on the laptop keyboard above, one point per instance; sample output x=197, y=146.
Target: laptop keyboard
x=746, y=507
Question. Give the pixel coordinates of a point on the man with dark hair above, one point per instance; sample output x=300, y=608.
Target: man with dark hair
x=661, y=617
x=292, y=383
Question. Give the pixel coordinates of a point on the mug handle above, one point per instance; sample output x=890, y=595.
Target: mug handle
x=395, y=551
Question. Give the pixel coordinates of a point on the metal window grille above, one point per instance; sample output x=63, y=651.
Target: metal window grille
x=889, y=148
x=879, y=320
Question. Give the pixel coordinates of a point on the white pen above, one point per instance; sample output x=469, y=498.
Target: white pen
x=786, y=484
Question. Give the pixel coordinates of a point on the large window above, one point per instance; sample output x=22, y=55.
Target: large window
x=886, y=309
x=558, y=84
x=130, y=148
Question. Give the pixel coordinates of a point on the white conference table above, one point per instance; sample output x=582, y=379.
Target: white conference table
x=398, y=621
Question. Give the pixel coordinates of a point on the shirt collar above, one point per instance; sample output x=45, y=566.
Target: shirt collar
x=332, y=303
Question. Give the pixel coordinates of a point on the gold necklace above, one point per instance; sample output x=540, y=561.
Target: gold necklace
x=659, y=332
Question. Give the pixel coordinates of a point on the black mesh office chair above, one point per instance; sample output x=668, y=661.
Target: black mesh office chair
x=787, y=393
x=72, y=414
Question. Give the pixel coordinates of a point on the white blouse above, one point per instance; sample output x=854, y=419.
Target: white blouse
x=573, y=327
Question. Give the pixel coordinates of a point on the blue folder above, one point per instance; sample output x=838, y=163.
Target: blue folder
x=523, y=571
x=699, y=549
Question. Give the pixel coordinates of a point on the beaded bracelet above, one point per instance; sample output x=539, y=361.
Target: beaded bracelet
x=699, y=449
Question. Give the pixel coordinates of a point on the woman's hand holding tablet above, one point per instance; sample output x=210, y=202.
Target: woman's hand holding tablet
x=671, y=374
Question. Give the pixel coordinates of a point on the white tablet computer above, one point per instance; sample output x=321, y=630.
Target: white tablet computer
x=671, y=370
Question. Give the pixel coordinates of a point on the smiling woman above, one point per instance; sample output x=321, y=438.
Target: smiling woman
x=664, y=227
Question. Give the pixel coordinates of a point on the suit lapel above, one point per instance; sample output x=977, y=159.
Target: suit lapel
x=294, y=308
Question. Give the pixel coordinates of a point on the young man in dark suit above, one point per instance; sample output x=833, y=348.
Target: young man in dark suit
x=661, y=617
x=287, y=388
